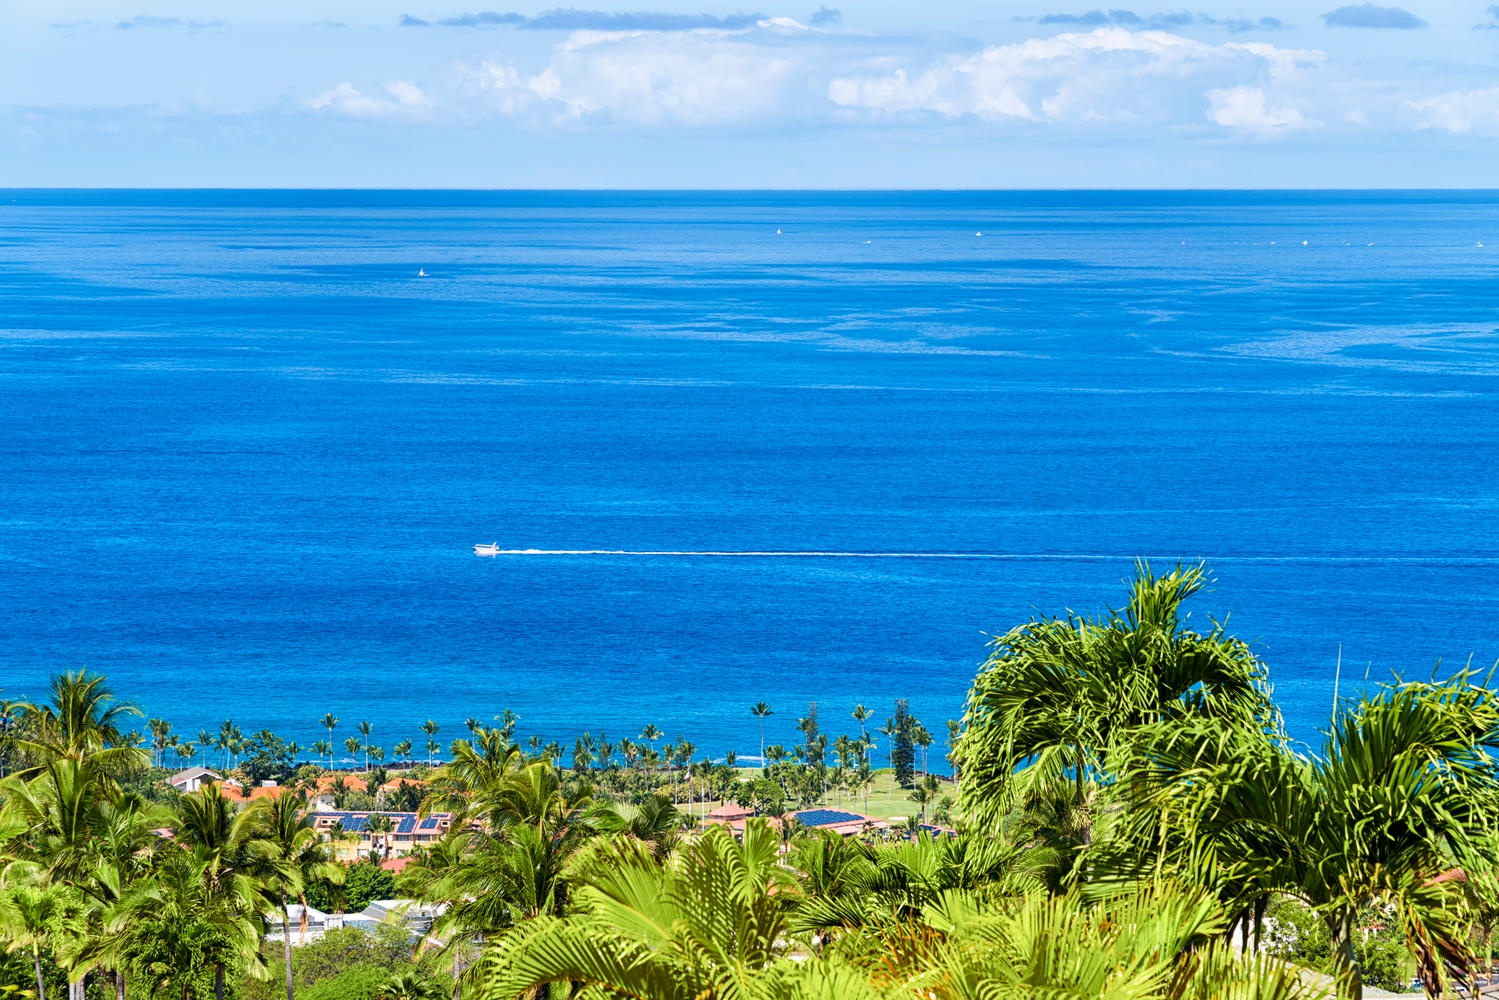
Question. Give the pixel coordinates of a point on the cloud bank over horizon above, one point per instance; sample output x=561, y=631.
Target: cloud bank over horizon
x=1125, y=83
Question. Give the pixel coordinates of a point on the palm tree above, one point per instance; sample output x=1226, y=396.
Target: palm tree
x=432, y=746
x=889, y=730
x=352, y=745
x=34, y=916
x=185, y=921
x=923, y=739
x=760, y=710
x=381, y=826
x=1404, y=788
x=228, y=732
x=324, y=749
x=651, y=734
x=365, y=728
x=82, y=720
x=431, y=729
x=1078, y=696
x=160, y=729
x=862, y=715
x=402, y=750
x=410, y=985
x=328, y=721
x=300, y=859
x=696, y=927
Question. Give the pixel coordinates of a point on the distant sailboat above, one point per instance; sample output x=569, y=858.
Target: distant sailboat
x=492, y=549
x=421, y=272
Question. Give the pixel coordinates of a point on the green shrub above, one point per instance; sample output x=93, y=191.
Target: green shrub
x=358, y=983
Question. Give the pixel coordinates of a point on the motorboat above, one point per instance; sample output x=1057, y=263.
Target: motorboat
x=492, y=549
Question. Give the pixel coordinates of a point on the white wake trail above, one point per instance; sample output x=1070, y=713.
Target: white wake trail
x=1000, y=556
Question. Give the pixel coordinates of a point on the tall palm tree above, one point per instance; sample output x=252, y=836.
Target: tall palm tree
x=760, y=710
x=365, y=728
x=651, y=734
x=431, y=729
x=300, y=858
x=861, y=716
x=328, y=721
x=324, y=749
x=228, y=732
x=352, y=745
x=81, y=720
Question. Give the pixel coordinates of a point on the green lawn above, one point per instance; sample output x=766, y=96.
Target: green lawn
x=882, y=803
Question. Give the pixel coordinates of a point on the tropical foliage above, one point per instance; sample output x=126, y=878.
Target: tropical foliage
x=1131, y=823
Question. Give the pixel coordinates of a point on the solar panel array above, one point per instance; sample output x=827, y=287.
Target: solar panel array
x=827, y=817
x=405, y=823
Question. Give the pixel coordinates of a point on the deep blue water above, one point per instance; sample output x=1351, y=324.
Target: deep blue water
x=245, y=451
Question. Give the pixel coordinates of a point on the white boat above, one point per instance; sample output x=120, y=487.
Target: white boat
x=421, y=272
x=492, y=549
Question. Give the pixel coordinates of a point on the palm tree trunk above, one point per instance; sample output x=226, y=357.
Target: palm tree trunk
x=75, y=990
x=218, y=981
x=41, y=984
x=119, y=985
x=286, y=945
x=1351, y=982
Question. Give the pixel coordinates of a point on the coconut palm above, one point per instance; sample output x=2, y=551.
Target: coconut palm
x=300, y=859
x=365, y=728
x=402, y=751
x=381, y=826
x=511, y=867
x=352, y=745
x=185, y=921
x=760, y=710
x=328, y=721
x=862, y=715
x=431, y=728
x=81, y=719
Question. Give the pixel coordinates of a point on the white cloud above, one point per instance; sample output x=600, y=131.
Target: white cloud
x=1460, y=111
x=1246, y=109
x=697, y=78
x=1107, y=75
x=406, y=98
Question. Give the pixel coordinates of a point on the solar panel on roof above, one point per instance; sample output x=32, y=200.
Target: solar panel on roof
x=407, y=824
x=827, y=817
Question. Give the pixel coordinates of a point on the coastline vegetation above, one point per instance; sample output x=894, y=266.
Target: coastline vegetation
x=1126, y=819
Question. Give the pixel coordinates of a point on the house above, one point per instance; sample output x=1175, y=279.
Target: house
x=237, y=792
x=317, y=924
x=408, y=831
x=417, y=917
x=845, y=824
x=193, y=778
x=730, y=815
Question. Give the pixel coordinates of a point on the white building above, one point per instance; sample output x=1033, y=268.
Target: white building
x=193, y=778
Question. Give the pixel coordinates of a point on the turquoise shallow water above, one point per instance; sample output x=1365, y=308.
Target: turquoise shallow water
x=245, y=451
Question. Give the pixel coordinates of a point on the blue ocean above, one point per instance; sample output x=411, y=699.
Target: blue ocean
x=248, y=441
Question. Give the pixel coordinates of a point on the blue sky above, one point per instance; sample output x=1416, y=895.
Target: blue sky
x=457, y=93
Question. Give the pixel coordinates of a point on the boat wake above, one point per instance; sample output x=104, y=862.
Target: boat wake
x=494, y=550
